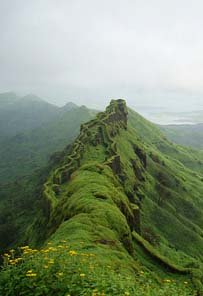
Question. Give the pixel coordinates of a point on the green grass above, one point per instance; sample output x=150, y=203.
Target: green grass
x=63, y=270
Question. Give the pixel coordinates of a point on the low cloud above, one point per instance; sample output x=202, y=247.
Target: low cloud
x=149, y=52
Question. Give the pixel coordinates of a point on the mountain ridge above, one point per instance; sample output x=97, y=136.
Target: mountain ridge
x=107, y=134
x=120, y=193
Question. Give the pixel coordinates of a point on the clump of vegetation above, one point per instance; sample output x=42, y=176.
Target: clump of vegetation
x=61, y=270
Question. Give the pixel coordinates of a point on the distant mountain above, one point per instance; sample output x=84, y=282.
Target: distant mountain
x=69, y=106
x=21, y=114
x=187, y=135
x=31, y=98
x=7, y=98
x=25, y=152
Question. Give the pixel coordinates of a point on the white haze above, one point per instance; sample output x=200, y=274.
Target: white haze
x=147, y=51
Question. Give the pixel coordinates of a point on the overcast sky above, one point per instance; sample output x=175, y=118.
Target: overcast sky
x=147, y=51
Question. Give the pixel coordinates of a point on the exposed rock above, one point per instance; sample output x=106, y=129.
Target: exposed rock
x=141, y=154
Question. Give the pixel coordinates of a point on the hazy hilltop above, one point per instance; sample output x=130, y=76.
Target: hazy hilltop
x=187, y=135
x=19, y=114
x=31, y=130
x=7, y=99
x=31, y=150
x=69, y=106
x=22, y=114
x=121, y=209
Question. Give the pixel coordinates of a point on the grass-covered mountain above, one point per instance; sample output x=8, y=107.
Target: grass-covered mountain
x=187, y=135
x=119, y=214
x=31, y=130
x=20, y=114
x=26, y=152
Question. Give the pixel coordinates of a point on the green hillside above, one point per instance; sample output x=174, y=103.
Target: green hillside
x=26, y=152
x=187, y=135
x=121, y=213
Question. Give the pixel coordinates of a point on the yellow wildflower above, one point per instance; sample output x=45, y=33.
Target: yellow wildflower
x=94, y=293
x=52, y=249
x=18, y=259
x=167, y=281
x=72, y=253
x=60, y=246
x=7, y=255
x=31, y=274
x=82, y=275
x=27, y=250
x=25, y=247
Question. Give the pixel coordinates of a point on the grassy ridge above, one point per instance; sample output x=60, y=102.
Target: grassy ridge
x=125, y=197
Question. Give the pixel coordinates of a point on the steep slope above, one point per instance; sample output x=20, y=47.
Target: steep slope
x=171, y=195
x=122, y=215
x=187, y=135
x=18, y=203
x=29, y=151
